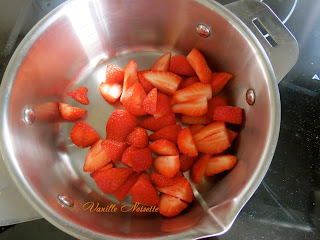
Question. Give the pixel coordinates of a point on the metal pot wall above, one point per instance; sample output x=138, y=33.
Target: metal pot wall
x=69, y=48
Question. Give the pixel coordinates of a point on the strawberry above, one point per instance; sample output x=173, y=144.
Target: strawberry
x=167, y=165
x=169, y=133
x=204, y=119
x=164, y=81
x=163, y=105
x=198, y=169
x=170, y=206
x=150, y=102
x=186, y=162
x=195, y=128
x=110, y=91
x=199, y=64
x=138, y=138
x=213, y=103
x=164, y=147
x=143, y=192
x=96, y=158
x=123, y=190
x=132, y=100
x=141, y=159
x=218, y=81
x=186, y=144
x=114, y=74
x=189, y=81
x=114, y=149
x=180, y=65
x=147, y=86
x=130, y=77
x=219, y=164
x=179, y=173
x=111, y=179
x=161, y=181
x=182, y=189
x=80, y=95
x=126, y=156
x=192, y=92
x=162, y=64
x=231, y=135
x=110, y=165
x=153, y=124
x=71, y=113
x=212, y=138
x=120, y=124
x=228, y=114
x=83, y=135
x=195, y=108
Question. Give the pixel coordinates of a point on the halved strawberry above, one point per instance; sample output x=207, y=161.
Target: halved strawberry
x=196, y=107
x=186, y=144
x=212, y=138
x=114, y=74
x=228, y=114
x=164, y=147
x=218, y=81
x=162, y=64
x=163, y=105
x=198, y=168
x=144, y=82
x=204, y=119
x=166, y=82
x=154, y=124
x=150, y=102
x=123, y=190
x=167, y=165
x=110, y=91
x=132, y=99
x=114, y=149
x=213, y=103
x=199, y=64
x=80, y=95
x=189, y=81
x=192, y=92
x=161, y=181
x=220, y=164
x=141, y=159
x=186, y=162
x=195, y=128
x=143, y=192
x=110, y=165
x=96, y=158
x=83, y=135
x=169, y=133
x=126, y=156
x=130, y=77
x=180, y=65
x=71, y=113
x=170, y=206
x=138, y=138
x=231, y=135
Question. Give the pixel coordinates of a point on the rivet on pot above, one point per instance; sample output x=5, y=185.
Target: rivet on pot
x=250, y=96
x=203, y=31
x=28, y=116
x=65, y=200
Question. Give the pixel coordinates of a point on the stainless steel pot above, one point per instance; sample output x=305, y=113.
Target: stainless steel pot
x=69, y=48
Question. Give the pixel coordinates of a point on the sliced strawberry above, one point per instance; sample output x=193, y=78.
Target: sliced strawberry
x=204, y=119
x=182, y=189
x=114, y=74
x=163, y=105
x=138, y=138
x=213, y=103
x=195, y=128
x=143, y=192
x=71, y=113
x=114, y=149
x=167, y=165
x=130, y=77
x=164, y=147
x=162, y=181
x=220, y=164
x=169, y=133
x=170, y=206
x=228, y=114
x=110, y=91
x=192, y=92
x=80, y=95
x=180, y=65
x=144, y=82
x=186, y=162
x=163, y=63
x=124, y=189
x=96, y=158
x=110, y=165
x=132, y=100
x=196, y=107
x=120, y=124
x=141, y=159
x=154, y=124
x=189, y=81
x=166, y=82
x=111, y=179
x=126, y=156
x=213, y=138
x=218, y=81
x=150, y=102
x=231, y=135
x=199, y=64
x=186, y=144
x=83, y=135
x=198, y=168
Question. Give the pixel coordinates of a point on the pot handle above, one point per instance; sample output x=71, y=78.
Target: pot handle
x=280, y=45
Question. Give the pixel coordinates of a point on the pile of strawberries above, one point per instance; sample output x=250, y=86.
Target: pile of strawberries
x=175, y=89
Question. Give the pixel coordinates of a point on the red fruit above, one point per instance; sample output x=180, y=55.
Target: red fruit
x=195, y=128
x=138, y=138
x=180, y=65
x=198, y=169
x=186, y=144
x=114, y=74
x=219, y=164
x=231, y=135
x=186, y=162
x=111, y=179
x=93, y=174
x=114, y=149
x=163, y=105
x=164, y=81
x=154, y=124
x=83, y=135
x=212, y=138
x=150, y=102
x=123, y=190
x=199, y=64
x=170, y=206
x=167, y=166
x=110, y=91
x=141, y=159
x=71, y=113
x=213, y=103
x=204, y=119
x=164, y=147
x=126, y=156
x=145, y=83
x=132, y=100
x=162, y=64
x=192, y=92
x=161, y=181
x=143, y=192
x=189, y=81
x=130, y=77
x=80, y=95
x=96, y=158
x=228, y=114
x=120, y=124
x=169, y=133
x=196, y=107
x=218, y=81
